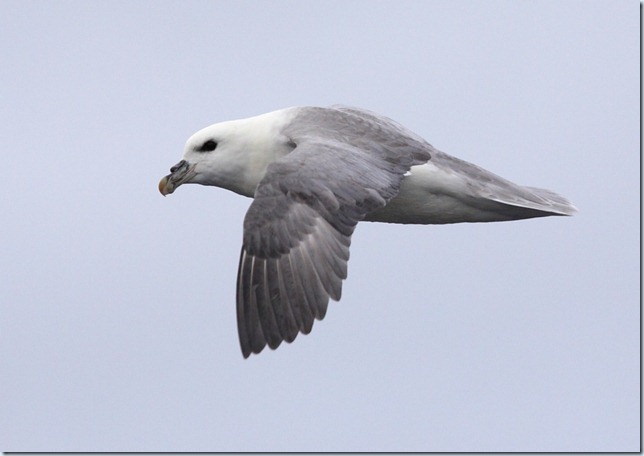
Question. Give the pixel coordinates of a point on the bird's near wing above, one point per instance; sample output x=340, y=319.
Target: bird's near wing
x=298, y=230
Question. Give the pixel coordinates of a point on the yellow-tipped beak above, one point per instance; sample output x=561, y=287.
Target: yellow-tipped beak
x=179, y=173
x=163, y=186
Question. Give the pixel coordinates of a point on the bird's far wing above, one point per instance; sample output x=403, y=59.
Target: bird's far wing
x=298, y=230
x=487, y=185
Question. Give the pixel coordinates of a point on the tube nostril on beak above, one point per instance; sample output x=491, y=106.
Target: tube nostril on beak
x=177, y=166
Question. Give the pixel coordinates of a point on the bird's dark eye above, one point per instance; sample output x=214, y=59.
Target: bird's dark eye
x=208, y=146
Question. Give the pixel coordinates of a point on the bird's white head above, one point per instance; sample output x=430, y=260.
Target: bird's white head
x=233, y=154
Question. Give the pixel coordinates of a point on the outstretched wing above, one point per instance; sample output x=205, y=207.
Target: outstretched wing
x=298, y=229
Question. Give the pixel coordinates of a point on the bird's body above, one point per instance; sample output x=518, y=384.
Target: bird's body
x=314, y=174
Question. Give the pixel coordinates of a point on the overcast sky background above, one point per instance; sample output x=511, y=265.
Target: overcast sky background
x=118, y=305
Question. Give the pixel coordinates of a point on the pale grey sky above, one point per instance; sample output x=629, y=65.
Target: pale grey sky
x=118, y=311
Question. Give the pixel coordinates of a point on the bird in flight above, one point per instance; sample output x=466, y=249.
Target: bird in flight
x=314, y=173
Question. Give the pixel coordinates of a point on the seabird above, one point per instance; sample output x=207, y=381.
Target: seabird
x=314, y=173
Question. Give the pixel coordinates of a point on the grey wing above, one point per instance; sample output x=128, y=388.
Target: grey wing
x=515, y=201
x=298, y=230
x=284, y=283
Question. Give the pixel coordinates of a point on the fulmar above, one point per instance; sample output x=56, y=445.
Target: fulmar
x=314, y=173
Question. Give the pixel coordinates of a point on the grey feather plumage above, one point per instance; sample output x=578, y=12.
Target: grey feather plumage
x=297, y=231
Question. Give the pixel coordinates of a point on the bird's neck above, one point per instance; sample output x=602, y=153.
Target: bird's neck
x=265, y=143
